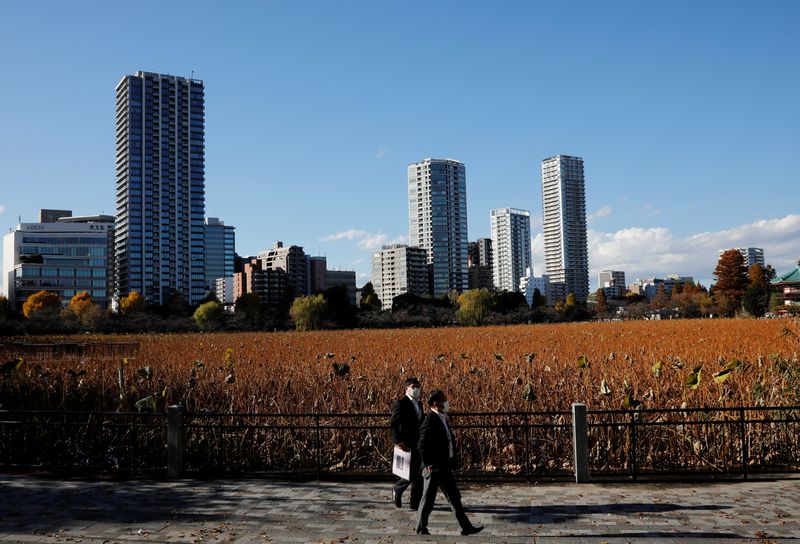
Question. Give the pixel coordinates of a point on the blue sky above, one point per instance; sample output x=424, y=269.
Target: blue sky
x=686, y=114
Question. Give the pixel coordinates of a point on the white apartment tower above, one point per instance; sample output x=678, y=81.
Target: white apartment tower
x=566, y=253
x=437, y=220
x=398, y=269
x=511, y=244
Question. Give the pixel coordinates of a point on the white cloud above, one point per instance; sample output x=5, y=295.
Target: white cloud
x=365, y=240
x=647, y=252
x=351, y=234
x=605, y=211
x=2, y=209
x=650, y=211
x=380, y=153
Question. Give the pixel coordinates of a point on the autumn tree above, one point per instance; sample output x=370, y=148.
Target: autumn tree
x=41, y=304
x=732, y=282
x=660, y=299
x=756, y=297
x=473, y=307
x=83, y=309
x=600, y=302
x=308, y=312
x=131, y=304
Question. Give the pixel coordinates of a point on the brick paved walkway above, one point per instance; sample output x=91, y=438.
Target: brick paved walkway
x=34, y=509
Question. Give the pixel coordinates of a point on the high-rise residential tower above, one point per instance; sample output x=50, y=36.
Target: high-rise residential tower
x=566, y=252
x=511, y=246
x=437, y=220
x=160, y=189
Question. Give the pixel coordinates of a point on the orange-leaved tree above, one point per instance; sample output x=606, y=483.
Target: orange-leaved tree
x=732, y=281
x=41, y=303
x=83, y=307
x=132, y=303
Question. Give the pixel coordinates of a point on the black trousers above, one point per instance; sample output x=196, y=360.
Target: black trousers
x=436, y=479
x=415, y=482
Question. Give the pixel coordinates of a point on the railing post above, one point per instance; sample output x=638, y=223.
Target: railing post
x=175, y=440
x=580, y=443
x=317, y=453
x=743, y=436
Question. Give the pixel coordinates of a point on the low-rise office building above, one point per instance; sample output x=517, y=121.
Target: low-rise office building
x=63, y=254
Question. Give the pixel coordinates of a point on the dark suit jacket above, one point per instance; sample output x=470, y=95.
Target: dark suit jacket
x=433, y=442
x=405, y=423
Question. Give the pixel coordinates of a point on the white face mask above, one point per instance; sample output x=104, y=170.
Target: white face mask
x=446, y=407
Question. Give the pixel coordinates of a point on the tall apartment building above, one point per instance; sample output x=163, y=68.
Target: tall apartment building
x=160, y=187
x=479, y=264
x=398, y=269
x=511, y=246
x=566, y=252
x=752, y=255
x=62, y=254
x=291, y=260
x=437, y=220
x=220, y=247
x=317, y=270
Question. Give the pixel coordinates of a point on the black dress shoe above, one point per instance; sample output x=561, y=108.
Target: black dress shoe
x=472, y=530
x=396, y=499
x=424, y=530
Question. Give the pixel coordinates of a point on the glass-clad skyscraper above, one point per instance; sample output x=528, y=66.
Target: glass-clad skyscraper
x=220, y=247
x=437, y=221
x=160, y=187
x=566, y=254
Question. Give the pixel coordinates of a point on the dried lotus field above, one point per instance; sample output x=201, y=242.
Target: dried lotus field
x=532, y=369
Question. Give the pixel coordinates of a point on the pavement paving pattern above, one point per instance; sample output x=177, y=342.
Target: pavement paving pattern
x=47, y=510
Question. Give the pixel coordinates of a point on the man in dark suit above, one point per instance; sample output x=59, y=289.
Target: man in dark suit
x=407, y=415
x=437, y=450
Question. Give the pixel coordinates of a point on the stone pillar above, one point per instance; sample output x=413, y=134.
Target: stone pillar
x=580, y=443
x=175, y=440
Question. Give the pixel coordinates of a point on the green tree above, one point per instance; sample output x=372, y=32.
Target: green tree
x=369, y=298
x=248, y=308
x=208, y=316
x=5, y=307
x=473, y=307
x=132, y=303
x=41, y=304
x=308, y=312
x=539, y=300
x=732, y=281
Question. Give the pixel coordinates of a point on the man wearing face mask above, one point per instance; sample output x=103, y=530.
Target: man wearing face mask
x=437, y=450
x=407, y=415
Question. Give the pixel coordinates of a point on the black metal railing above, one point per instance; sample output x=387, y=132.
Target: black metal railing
x=63, y=441
x=694, y=441
x=622, y=444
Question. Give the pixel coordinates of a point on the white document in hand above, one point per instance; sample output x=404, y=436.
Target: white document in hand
x=401, y=465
